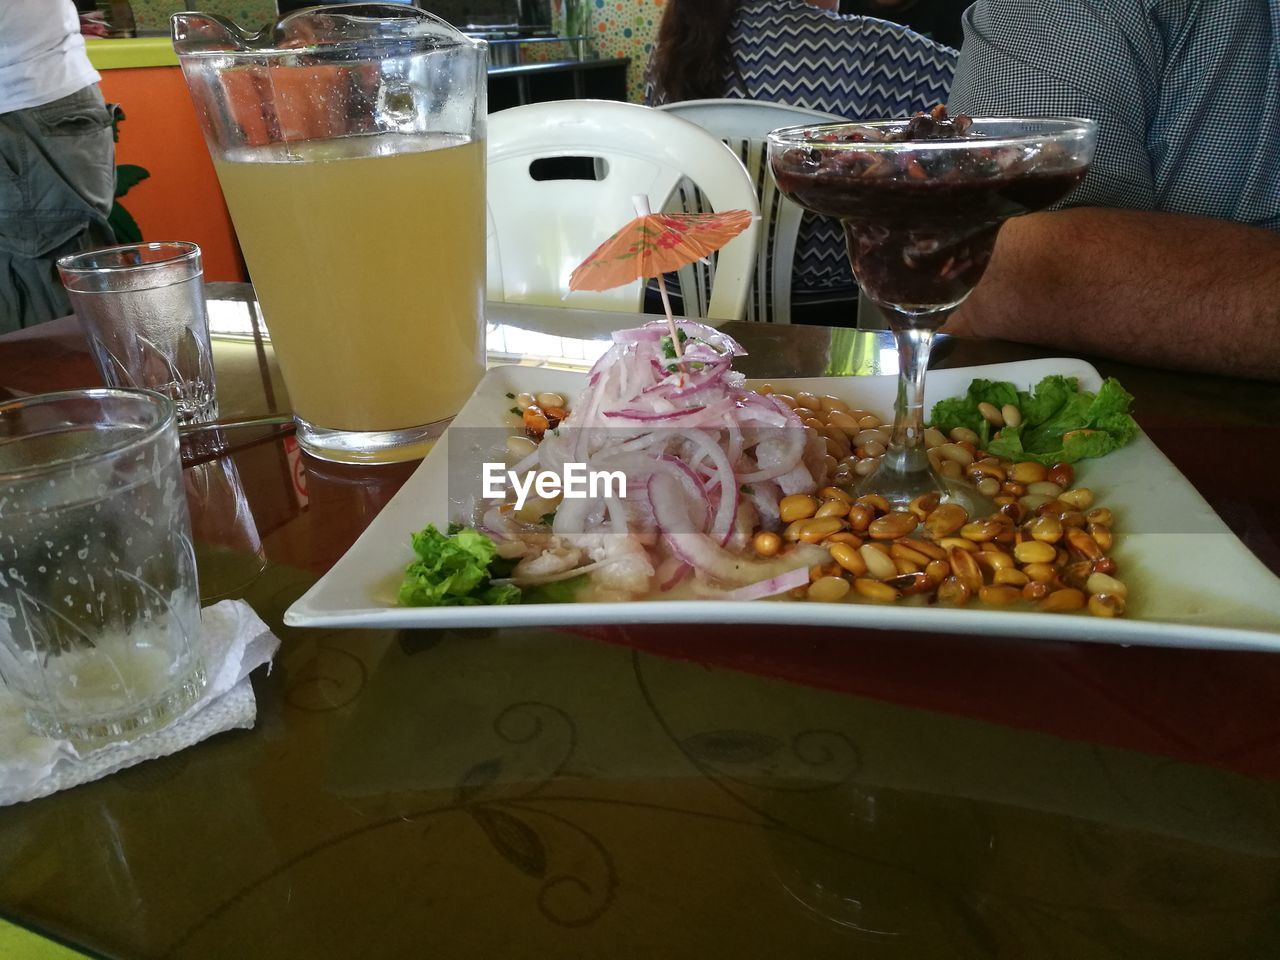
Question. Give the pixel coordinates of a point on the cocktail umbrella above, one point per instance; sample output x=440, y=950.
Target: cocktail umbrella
x=656, y=243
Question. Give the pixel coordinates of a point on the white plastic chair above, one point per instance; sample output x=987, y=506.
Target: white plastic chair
x=540, y=230
x=743, y=126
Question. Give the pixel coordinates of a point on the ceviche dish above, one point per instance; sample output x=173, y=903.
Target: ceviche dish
x=710, y=489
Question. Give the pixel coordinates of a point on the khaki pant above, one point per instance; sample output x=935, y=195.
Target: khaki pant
x=57, y=181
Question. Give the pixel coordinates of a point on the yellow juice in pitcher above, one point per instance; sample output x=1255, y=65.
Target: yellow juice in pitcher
x=368, y=258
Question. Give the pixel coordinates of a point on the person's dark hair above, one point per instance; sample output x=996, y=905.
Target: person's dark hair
x=692, y=49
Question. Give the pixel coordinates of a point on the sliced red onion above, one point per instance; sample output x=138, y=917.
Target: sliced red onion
x=771, y=587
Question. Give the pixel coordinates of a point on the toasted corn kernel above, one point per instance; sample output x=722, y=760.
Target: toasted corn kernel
x=988, y=486
x=1063, y=474
x=843, y=422
x=880, y=565
x=1072, y=518
x=835, y=449
x=1045, y=488
x=1105, y=583
x=1104, y=565
x=1080, y=497
x=818, y=529
x=1102, y=535
x=993, y=560
x=786, y=398
x=1010, y=577
x=845, y=536
x=873, y=500
x=792, y=533
x=923, y=505
x=1028, y=471
x=828, y=589
x=955, y=453
x=864, y=468
x=1106, y=605
x=1082, y=545
x=834, y=493
x=848, y=557
x=833, y=508
x=875, y=590
x=869, y=421
x=1045, y=528
x=906, y=566
x=1035, y=590
x=798, y=506
x=991, y=413
x=930, y=550
x=766, y=544
x=963, y=435
x=1076, y=573
x=1034, y=551
x=999, y=595
x=910, y=583
x=545, y=400
x=950, y=469
x=1012, y=415
x=933, y=437
x=808, y=400
x=831, y=404
x=944, y=521
x=987, y=528
x=892, y=525
x=1063, y=601
x=938, y=570
x=953, y=593
x=1041, y=572
x=765, y=389
x=1013, y=510
x=958, y=543
x=1012, y=488
x=860, y=517
x=965, y=569
x=902, y=550
x=1100, y=515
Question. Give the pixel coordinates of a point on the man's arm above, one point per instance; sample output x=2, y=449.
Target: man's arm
x=1159, y=289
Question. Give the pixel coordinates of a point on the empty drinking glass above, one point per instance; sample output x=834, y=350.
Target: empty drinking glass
x=99, y=612
x=142, y=308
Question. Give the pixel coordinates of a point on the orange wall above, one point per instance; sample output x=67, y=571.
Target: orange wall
x=182, y=200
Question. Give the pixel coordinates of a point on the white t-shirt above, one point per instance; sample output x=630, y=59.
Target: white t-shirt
x=42, y=56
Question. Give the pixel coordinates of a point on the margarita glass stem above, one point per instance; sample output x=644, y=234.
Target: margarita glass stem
x=914, y=345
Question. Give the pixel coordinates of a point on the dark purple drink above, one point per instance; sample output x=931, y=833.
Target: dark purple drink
x=921, y=199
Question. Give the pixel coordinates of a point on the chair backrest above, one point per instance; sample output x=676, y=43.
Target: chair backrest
x=743, y=126
x=539, y=230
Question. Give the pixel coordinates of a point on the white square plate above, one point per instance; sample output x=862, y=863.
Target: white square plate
x=1192, y=583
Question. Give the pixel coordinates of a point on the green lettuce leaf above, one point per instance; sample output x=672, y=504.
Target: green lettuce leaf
x=1060, y=422
x=453, y=569
x=558, y=591
x=963, y=411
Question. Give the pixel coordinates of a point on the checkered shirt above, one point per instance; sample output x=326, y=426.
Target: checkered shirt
x=1186, y=94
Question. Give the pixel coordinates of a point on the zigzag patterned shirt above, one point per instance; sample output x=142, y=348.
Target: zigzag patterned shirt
x=787, y=51
x=1186, y=94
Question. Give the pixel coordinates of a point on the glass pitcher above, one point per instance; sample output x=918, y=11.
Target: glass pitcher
x=349, y=143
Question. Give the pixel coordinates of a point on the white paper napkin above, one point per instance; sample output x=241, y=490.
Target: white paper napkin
x=235, y=642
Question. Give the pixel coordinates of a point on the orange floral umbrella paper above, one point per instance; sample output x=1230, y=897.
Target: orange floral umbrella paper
x=656, y=243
